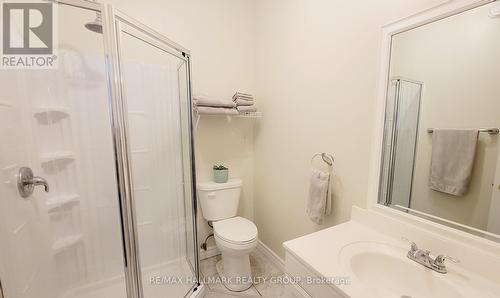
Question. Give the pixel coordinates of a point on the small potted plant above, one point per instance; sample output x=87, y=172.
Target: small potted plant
x=221, y=174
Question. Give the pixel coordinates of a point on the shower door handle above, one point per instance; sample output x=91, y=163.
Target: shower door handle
x=26, y=182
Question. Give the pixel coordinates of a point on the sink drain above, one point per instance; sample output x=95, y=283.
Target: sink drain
x=405, y=296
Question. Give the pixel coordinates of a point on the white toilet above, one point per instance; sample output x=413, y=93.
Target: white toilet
x=235, y=236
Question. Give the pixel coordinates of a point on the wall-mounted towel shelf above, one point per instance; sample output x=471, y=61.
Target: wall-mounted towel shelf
x=240, y=115
x=491, y=131
x=249, y=115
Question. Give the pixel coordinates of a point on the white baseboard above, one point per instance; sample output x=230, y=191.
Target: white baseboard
x=211, y=251
x=280, y=264
x=271, y=255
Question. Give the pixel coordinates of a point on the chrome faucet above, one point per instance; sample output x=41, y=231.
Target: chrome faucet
x=26, y=182
x=423, y=258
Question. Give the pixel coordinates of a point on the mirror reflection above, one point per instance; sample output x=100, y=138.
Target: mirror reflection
x=441, y=141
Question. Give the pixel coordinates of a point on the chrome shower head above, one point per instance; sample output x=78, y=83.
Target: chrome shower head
x=495, y=12
x=95, y=25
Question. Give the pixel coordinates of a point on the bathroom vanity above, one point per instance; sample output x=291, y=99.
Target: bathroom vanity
x=432, y=223
x=367, y=257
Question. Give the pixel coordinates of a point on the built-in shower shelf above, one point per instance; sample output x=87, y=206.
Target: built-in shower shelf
x=10, y=167
x=5, y=104
x=57, y=156
x=140, y=151
x=55, y=204
x=83, y=82
x=66, y=242
x=51, y=114
x=137, y=113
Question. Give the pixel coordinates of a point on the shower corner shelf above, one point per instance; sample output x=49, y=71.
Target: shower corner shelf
x=55, y=113
x=60, y=202
x=67, y=242
x=57, y=156
x=6, y=104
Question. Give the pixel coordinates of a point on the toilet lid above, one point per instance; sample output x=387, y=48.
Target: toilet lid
x=235, y=230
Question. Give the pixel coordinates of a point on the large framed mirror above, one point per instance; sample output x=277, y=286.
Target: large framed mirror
x=441, y=142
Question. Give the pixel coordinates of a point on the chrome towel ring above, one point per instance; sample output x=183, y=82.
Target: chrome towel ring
x=327, y=158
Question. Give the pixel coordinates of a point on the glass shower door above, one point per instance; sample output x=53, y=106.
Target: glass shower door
x=66, y=241
x=400, y=139
x=155, y=91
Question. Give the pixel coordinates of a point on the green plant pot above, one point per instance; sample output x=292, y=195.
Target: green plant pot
x=221, y=176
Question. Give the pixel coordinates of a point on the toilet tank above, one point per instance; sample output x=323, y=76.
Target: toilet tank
x=219, y=200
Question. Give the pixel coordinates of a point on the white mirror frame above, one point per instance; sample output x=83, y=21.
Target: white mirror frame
x=420, y=19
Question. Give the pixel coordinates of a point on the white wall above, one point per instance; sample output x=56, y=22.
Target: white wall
x=316, y=77
x=457, y=60
x=220, y=35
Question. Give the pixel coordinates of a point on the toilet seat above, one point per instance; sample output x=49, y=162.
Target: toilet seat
x=236, y=230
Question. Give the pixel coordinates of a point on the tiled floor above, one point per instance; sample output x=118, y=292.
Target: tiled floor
x=262, y=269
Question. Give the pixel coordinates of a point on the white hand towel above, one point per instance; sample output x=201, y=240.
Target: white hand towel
x=453, y=153
x=242, y=96
x=205, y=101
x=319, y=201
x=216, y=111
x=247, y=108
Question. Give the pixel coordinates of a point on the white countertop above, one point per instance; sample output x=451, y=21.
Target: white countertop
x=321, y=251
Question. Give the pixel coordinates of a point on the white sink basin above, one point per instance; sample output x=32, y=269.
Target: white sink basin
x=383, y=270
x=395, y=278
x=366, y=258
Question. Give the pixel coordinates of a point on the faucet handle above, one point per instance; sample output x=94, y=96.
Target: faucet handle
x=439, y=261
x=413, y=247
x=438, y=264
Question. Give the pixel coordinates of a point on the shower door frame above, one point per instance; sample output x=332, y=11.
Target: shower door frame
x=391, y=156
x=110, y=22
x=112, y=19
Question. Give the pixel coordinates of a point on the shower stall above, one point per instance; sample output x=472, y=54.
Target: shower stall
x=400, y=141
x=96, y=165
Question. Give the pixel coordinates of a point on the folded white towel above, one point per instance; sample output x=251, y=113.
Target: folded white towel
x=216, y=111
x=242, y=99
x=205, y=101
x=251, y=108
x=242, y=96
x=243, y=102
x=453, y=154
x=319, y=201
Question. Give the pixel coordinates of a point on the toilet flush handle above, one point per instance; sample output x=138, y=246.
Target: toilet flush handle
x=211, y=195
